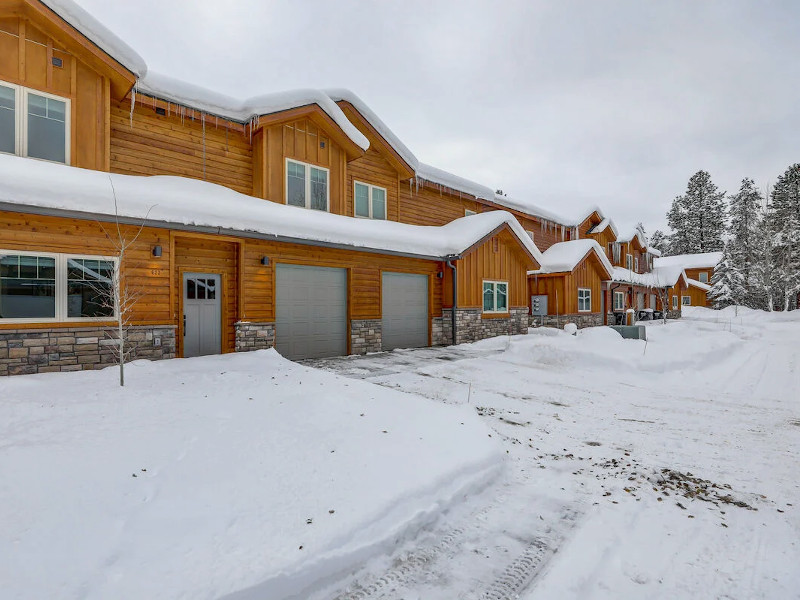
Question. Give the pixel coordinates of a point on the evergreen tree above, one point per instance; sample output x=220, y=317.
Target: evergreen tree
x=785, y=228
x=697, y=218
x=727, y=283
x=659, y=241
x=745, y=239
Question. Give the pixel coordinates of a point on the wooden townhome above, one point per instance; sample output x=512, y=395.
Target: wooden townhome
x=295, y=220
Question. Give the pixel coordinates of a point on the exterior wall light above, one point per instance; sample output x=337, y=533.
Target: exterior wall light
x=157, y=251
x=265, y=260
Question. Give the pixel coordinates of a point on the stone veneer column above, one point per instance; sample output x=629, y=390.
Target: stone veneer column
x=471, y=326
x=366, y=335
x=28, y=351
x=582, y=320
x=254, y=336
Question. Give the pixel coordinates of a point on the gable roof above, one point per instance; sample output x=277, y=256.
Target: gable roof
x=659, y=277
x=602, y=226
x=698, y=284
x=704, y=260
x=177, y=202
x=635, y=234
x=564, y=257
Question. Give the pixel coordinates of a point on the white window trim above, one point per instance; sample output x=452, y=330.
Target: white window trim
x=686, y=300
x=589, y=291
x=530, y=234
x=61, y=287
x=636, y=264
x=468, y=212
x=371, y=187
x=308, y=166
x=21, y=119
x=620, y=305
x=629, y=261
x=675, y=302
x=496, y=312
x=701, y=275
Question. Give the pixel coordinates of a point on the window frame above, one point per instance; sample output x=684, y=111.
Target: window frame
x=619, y=305
x=701, y=275
x=629, y=262
x=307, y=188
x=61, y=286
x=636, y=263
x=588, y=297
x=494, y=283
x=469, y=213
x=531, y=235
x=675, y=302
x=370, y=199
x=686, y=300
x=21, y=94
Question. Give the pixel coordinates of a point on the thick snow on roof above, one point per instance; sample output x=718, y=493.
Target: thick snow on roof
x=373, y=119
x=565, y=256
x=704, y=260
x=454, y=182
x=182, y=201
x=698, y=284
x=101, y=36
x=654, y=251
x=187, y=94
x=603, y=225
x=659, y=277
x=634, y=234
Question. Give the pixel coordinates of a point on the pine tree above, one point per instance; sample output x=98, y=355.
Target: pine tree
x=659, y=241
x=785, y=225
x=727, y=283
x=745, y=239
x=697, y=218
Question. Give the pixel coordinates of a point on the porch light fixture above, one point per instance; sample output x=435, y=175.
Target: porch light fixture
x=439, y=274
x=265, y=260
x=157, y=251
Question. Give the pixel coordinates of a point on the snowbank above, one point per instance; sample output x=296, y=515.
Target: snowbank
x=184, y=201
x=235, y=474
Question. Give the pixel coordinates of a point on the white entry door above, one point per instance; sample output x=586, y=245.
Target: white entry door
x=202, y=319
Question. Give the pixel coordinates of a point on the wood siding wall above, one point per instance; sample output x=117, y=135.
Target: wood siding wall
x=372, y=168
x=153, y=144
x=588, y=274
x=499, y=259
x=26, y=54
x=144, y=274
x=430, y=205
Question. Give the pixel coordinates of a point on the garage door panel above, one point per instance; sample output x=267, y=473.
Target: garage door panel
x=311, y=311
x=404, y=310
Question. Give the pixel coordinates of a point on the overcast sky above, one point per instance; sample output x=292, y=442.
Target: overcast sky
x=562, y=103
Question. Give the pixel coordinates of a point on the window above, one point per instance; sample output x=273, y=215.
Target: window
x=468, y=212
x=636, y=263
x=584, y=300
x=495, y=297
x=306, y=185
x=530, y=235
x=369, y=201
x=628, y=262
x=674, y=303
x=38, y=287
x=34, y=124
x=619, y=301
x=686, y=300
x=704, y=277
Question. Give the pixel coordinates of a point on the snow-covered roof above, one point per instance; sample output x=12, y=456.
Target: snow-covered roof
x=698, y=284
x=704, y=260
x=603, y=225
x=563, y=257
x=187, y=94
x=659, y=277
x=633, y=234
x=99, y=34
x=176, y=201
x=654, y=251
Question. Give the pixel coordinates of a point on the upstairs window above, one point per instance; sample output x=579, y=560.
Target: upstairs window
x=530, y=235
x=306, y=185
x=703, y=277
x=33, y=123
x=629, y=262
x=636, y=263
x=369, y=201
x=495, y=297
x=468, y=212
x=584, y=300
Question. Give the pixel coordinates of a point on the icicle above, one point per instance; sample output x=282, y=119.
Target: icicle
x=203, y=117
x=133, y=100
x=563, y=233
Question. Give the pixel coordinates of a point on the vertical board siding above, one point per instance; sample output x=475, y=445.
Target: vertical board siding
x=152, y=144
x=146, y=276
x=588, y=274
x=372, y=168
x=27, y=55
x=498, y=259
x=428, y=205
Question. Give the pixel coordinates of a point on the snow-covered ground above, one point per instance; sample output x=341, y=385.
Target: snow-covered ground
x=209, y=476
x=665, y=469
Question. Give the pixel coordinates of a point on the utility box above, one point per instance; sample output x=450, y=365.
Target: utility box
x=539, y=305
x=631, y=332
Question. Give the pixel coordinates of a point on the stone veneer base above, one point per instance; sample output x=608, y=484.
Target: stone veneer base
x=254, y=336
x=471, y=326
x=48, y=350
x=366, y=335
x=580, y=319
